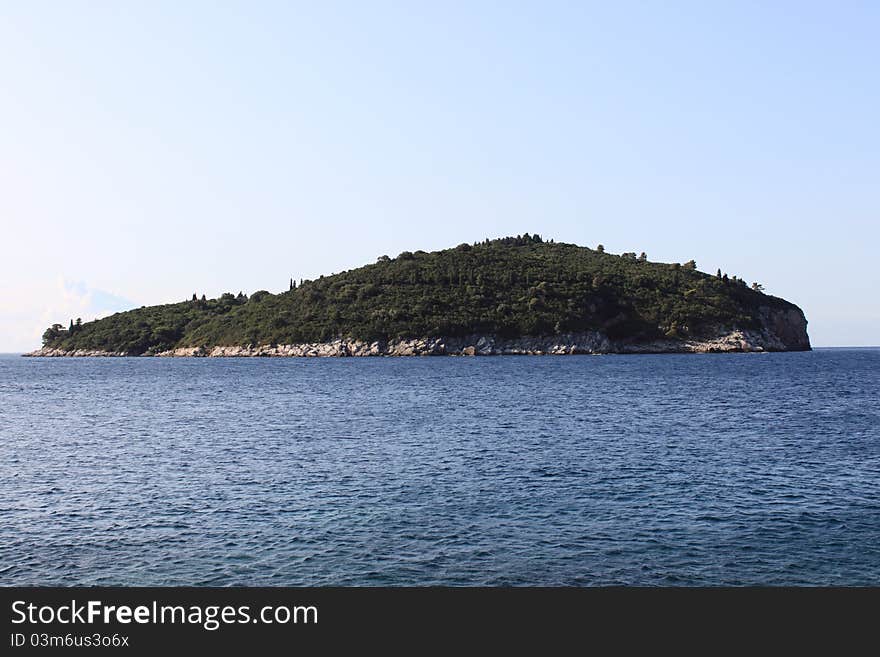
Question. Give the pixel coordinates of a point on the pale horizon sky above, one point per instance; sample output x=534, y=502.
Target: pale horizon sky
x=153, y=150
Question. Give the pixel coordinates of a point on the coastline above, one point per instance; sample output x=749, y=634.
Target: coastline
x=594, y=342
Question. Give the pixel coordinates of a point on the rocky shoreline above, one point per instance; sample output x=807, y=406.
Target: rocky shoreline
x=593, y=342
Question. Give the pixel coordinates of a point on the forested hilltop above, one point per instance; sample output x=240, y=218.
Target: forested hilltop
x=505, y=288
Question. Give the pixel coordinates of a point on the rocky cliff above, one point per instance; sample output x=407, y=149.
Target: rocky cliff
x=782, y=331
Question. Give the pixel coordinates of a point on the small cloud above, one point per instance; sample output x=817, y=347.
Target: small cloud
x=89, y=302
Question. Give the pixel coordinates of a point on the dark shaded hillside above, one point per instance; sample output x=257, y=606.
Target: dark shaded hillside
x=510, y=287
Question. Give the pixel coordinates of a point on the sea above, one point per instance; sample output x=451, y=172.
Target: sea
x=650, y=470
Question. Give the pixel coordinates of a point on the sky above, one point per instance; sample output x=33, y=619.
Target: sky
x=152, y=150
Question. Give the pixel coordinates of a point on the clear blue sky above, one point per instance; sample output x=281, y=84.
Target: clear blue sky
x=153, y=150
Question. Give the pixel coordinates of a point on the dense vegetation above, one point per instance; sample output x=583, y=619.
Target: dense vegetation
x=515, y=286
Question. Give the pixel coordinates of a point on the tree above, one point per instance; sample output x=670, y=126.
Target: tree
x=600, y=248
x=195, y=298
x=52, y=334
x=757, y=287
x=718, y=275
x=203, y=298
x=643, y=257
x=690, y=264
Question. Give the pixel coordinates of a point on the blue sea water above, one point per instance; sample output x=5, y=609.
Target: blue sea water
x=578, y=470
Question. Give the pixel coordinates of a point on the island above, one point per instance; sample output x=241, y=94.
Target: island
x=519, y=295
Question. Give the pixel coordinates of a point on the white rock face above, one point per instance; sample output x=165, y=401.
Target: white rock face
x=56, y=353
x=592, y=342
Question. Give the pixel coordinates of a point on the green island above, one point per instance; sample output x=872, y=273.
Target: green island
x=514, y=295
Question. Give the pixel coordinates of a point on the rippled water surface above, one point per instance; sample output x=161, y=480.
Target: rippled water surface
x=576, y=470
